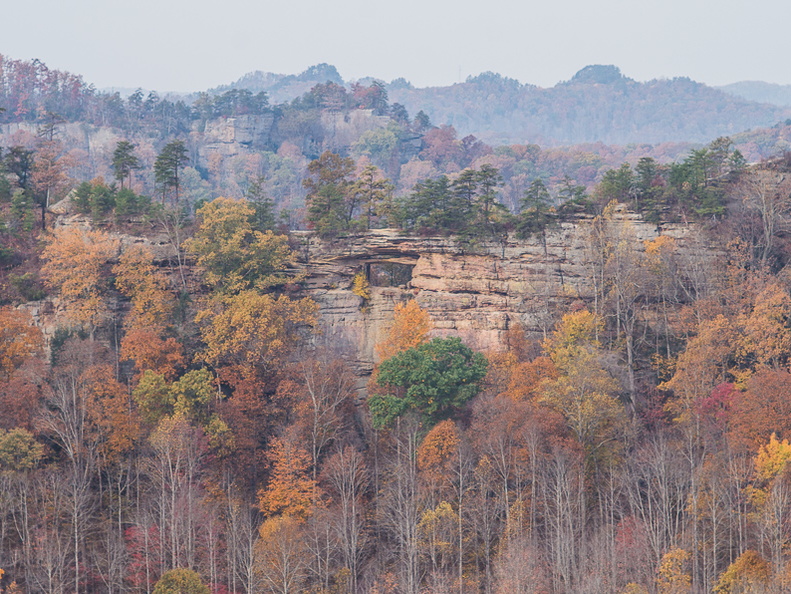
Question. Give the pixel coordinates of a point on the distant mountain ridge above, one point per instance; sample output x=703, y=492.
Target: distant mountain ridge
x=598, y=104
x=763, y=92
x=284, y=87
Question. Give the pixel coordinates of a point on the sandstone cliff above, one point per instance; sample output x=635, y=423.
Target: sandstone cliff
x=476, y=293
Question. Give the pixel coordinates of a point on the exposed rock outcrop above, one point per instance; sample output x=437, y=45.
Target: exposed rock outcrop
x=476, y=293
x=229, y=137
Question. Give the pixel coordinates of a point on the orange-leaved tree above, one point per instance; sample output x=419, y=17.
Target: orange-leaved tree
x=76, y=264
x=411, y=325
x=437, y=456
x=151, y=352
x=115, y=423
x=137, y=278
x=282, y=555
x=250, y=334
x=19, y=340
x=49, y=177
x=291, y=491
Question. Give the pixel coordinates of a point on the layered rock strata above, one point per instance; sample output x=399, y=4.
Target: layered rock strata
x=476, y=292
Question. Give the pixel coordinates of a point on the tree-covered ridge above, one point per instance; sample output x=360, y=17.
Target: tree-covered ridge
x=613, y=110
x=598, y=104
x=477, y=204
x=273, y=145
x=188, y=425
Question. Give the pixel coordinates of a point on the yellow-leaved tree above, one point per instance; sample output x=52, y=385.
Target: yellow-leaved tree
x=770, y=495
x=76, y=265
x=247, y=330
x=251, y=333
x=411, y=325
x=234, y=255
x=583, y=391
x=749, y=573
x=766, y=338
x=673, y=575
x=137, y=278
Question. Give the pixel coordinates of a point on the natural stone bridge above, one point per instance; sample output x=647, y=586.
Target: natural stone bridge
x=475, y=293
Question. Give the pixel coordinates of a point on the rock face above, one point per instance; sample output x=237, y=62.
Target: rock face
x=341, y=129
x=229, y=137
x=477, y=293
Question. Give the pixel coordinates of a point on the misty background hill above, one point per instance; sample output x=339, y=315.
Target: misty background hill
x=598, y=104
x=763, y=92
x=268, y=127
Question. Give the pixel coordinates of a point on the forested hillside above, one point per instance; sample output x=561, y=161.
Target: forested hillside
x=598, y=104
x=761, y=92
x=181, y=408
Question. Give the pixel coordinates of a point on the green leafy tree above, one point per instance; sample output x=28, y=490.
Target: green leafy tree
x=433, y=379
x=331, y=205
x=430, y=207
x=422, y=122
x=465, y=189
x=94, y=198
x=534, y=216
x=264, y=216
x=373, y=194
x=488, y=181
x=19, y=161
x=22, y=215
x=573, y=198
x=5, y=185
x=167, y=168
x=491, y=218
x=698, y=184
x=649, y=189
x=617, y=184
x=124, y=161
x=381, y=146
x=467, y=206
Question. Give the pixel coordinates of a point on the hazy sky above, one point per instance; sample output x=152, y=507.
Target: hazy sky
x=181, y=45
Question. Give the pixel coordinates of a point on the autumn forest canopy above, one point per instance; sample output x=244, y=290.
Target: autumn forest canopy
x=250, y=340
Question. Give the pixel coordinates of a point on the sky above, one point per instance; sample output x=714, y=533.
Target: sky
x=193, y=45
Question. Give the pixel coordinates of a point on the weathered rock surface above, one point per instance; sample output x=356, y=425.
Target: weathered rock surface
x=341, y=129
x=229, y=137
x=476, y=293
